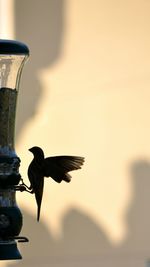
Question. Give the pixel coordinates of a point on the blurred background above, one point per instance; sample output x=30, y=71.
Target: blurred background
x=85, y=90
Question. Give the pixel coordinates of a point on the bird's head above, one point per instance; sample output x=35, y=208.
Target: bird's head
x=37, y=151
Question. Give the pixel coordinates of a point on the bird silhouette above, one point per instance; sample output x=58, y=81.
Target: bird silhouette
x=56, y=167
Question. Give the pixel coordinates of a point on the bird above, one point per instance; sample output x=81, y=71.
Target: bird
x=56, y=167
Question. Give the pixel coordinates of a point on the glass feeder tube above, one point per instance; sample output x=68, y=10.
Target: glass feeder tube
x=13, y=55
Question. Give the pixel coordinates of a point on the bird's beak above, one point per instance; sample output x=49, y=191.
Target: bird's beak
x=30, y=149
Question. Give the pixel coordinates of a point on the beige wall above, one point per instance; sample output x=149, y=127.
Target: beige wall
x=86, y=91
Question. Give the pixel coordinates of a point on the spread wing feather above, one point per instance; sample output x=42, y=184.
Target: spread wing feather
x=59, y=166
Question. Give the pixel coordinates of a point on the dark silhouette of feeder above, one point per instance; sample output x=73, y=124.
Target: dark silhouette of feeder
x=13, y=55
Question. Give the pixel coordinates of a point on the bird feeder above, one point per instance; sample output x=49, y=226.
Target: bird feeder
x=13, y=55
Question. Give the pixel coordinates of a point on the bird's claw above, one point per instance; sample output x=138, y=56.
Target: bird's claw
x=20, y=239
x=23, y=187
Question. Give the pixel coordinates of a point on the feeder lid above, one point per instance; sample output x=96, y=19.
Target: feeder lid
x=11, y=47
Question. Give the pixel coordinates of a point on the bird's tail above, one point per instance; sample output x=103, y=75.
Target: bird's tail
x=38, y=212
x=38, y=196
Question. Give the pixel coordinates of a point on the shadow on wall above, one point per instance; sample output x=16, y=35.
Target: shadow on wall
x=138, y=216
x=83, y=243
x=39, y=24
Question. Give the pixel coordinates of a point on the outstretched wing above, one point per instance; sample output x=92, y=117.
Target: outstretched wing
x=59, y=166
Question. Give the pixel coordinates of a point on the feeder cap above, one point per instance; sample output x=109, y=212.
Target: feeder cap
x=12, y=47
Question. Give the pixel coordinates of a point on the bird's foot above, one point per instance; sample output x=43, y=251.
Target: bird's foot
x=23, y=187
